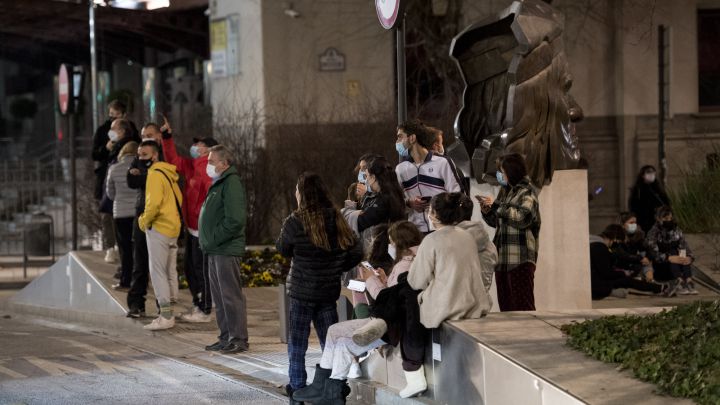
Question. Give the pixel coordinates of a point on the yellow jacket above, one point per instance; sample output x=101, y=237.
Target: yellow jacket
x=161, y=213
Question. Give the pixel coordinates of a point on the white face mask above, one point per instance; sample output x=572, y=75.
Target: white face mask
x=211, y=172
x=649, y=177
x=631, y=228
x=392, y=251
x=113, y=135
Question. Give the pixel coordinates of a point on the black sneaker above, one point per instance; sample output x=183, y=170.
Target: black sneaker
x=216, y=347
x=235, y=347
x=136, y=313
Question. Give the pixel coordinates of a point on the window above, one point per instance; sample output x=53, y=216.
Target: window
x=708, y=26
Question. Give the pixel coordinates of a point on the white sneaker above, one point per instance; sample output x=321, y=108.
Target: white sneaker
x=196, y=316
x=355, y=370
x=111, y=256
x=160, y=323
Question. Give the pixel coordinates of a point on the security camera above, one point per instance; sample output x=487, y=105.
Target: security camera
x=291, y=13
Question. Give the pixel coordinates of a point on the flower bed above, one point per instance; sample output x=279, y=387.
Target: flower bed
x=678, y=350
x=262, y=268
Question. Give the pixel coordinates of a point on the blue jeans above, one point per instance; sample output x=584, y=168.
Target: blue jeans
x=302, y=313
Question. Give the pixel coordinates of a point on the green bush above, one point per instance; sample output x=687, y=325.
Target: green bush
x=695, y=203
x=678, y=350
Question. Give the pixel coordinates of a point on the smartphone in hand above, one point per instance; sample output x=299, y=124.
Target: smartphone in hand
x=369, y=266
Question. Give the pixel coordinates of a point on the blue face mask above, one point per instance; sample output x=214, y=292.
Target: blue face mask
x=194, y=152
x=401, y=149
x=500, y=178
x=362, y=177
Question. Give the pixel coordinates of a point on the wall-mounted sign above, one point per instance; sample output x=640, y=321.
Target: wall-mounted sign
x=353, y=88
x=332, y=61
x=390, y=12
x=224, y=46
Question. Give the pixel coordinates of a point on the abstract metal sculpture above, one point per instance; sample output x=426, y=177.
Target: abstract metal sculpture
x=516, y=97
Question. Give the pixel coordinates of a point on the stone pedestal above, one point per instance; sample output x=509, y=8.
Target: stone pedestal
x=562, y=278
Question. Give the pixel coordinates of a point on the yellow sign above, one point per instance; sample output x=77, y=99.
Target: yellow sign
x=218, y=35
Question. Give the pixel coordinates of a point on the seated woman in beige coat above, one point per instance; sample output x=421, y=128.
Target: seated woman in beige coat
x=448, y=271
x=447, y=267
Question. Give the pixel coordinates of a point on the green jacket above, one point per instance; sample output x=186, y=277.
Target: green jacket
x=222, y=217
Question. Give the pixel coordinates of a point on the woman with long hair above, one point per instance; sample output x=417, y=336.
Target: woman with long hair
x=322, y=247
x=646, y=196
x=387, y=203
x=384, y=203
x=515, y=215
x=337, y=356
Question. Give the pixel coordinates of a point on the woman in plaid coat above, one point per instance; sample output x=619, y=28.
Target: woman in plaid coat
x=515, y=215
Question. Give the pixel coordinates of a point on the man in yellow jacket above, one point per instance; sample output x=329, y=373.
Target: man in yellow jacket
x=161, y=224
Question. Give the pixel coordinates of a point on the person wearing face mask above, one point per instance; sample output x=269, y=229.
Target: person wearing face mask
x=137, y=180
x=670, y=253
x=197, y=184
x=445, y=282
x=120, y=133
x=515, y=215
x=632, y=252
x=422, y=173
x=362, y=192
x=386, y=204
x=161, y=221
x=337, y=356
x=605, y=278
x=100, y=152
x=221, y=224
x=646, y=196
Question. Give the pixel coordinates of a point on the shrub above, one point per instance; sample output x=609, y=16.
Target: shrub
x=678, y=350
x=695, y=203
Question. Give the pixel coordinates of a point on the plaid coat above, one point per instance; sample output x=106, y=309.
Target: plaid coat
x=515, y=215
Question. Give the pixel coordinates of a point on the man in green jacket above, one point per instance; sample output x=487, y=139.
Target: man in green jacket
x=222, y=239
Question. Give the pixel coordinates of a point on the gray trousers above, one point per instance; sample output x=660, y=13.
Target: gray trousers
x=227, y=294
x=160, y=251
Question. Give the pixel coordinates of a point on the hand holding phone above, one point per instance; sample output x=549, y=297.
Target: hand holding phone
x=369, y=266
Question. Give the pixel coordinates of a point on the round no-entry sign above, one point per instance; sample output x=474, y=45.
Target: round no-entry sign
x=390, y=12
x=64, y=89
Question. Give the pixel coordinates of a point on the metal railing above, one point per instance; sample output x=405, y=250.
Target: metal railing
x=34, y=213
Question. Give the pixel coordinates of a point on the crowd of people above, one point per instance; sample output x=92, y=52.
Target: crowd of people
x=646, y=250
x=403, y=242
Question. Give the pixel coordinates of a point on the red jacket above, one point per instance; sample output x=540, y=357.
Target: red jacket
x=197, y=181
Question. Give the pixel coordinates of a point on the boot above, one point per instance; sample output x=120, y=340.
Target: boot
x=416, y=383
x=370, y=332
x=314, y=391
x=289, y=391
x=334, y=393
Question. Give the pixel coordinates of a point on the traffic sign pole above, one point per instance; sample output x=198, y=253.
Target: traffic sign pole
x=391, y=14
x=66, y=105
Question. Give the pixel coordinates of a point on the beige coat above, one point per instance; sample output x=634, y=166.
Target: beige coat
x=447, y=269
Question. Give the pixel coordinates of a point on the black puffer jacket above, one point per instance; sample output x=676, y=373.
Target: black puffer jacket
x=315, y=272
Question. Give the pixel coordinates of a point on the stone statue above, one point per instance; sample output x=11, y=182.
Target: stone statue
x=516, y=97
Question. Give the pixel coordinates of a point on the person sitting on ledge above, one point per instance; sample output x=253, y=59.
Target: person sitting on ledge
x=604, y=279
x=670, y=253
x=445, y=282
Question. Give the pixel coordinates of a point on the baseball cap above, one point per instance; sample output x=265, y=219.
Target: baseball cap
x=208, y=141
